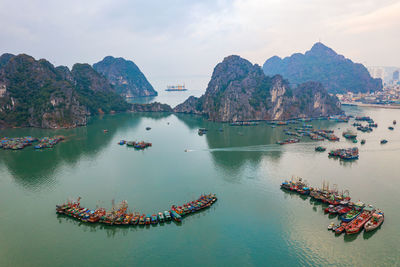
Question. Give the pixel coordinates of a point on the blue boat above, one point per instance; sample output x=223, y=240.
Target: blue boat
x=176, y=216
x=351, y=215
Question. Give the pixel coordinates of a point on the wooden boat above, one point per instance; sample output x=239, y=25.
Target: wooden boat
x=383, y=141
x=161, y=217
x=394, y=122
x=341, y=228
x=154, y=219
x=358, y=223
x=351, y=215
x=147, y=220
x=375, y=221
x=167, y=215
x=142, y=220
x=320, y=148
x=176, y=216
x=363, y=141
x=391, y=128
x=148, y=128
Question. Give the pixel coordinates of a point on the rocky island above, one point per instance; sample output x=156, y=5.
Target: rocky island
x=240, y=91
x=125, y=76
x=34, y=93
x=322, y=64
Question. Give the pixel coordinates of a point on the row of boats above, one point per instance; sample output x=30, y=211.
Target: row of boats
x=19, y=143
x=119, y=214
x=354, y=217
x=137, y=145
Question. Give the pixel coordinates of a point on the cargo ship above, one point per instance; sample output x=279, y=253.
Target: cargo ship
x=176, y=88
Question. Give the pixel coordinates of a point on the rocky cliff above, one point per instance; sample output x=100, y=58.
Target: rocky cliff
x=337, y=73
x=125, y=76
x=240, y=91
x=33, y=93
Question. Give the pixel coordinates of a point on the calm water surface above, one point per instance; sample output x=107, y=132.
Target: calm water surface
x=252, y=223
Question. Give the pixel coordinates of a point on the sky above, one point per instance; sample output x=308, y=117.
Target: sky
x=185, y=38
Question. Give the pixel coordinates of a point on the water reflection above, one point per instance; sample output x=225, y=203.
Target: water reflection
x=33, y=169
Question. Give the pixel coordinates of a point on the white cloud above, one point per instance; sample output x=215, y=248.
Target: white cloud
x=179, y=37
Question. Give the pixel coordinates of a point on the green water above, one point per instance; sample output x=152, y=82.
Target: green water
x=252, y=223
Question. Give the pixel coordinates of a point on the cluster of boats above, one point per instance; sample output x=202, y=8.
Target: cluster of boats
x=137, y=145
x=354, y=217
x=345, y=153
x=244, y=123
x=119, y=214
x=17, y=143
x=49, y=142
x=22, y=142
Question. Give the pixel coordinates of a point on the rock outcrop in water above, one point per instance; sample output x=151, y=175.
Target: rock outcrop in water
x=337, y=73
x=240, y=91
x=33, y=93
x=125, y=76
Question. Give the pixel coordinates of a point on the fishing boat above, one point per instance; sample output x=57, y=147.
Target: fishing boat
x=148, y=220
x=161, y=217
x=167, y=215
x=363, y=141
x=122, y=142
x=341, y=228
x=288, y=141
x=394, y=122
x=142, y=220
x=349, y=134
x=320, y=148
x=375, y=221
x=358, y=223
x=391, y=128
x=176, y=216
x=351, y=215
x=154, y=219
x=148, y=128
x=384, y=141
x=331, y=225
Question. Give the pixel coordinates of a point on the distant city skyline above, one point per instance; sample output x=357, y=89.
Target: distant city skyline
x=184, y=38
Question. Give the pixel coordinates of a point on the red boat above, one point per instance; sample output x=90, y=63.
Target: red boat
x=344, y=210
x=358, y=223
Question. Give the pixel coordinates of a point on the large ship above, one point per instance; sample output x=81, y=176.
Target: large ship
x=171, y=88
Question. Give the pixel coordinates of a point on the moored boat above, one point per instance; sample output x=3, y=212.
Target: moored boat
x=358, y=223
x=375, y=221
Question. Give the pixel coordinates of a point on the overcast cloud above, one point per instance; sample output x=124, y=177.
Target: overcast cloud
x=173, y=38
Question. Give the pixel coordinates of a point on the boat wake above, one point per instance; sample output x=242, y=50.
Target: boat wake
x=259, y=148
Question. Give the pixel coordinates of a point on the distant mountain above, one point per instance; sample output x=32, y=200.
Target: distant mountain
x=125, y=76
x=33, y=93
x=240, y=91
x=323, y=65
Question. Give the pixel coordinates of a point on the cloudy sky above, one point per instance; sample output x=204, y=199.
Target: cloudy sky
x=187, y=38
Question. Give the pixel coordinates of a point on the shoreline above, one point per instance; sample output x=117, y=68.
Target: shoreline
x=370, y=105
